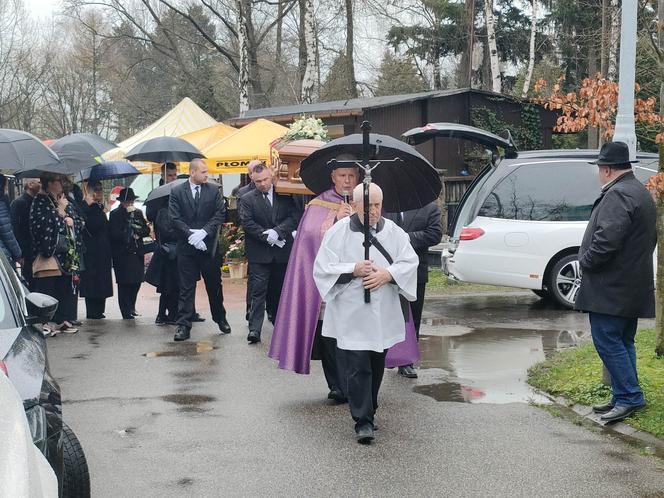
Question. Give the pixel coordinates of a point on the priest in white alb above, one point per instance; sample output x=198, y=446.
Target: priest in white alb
x=364, y=331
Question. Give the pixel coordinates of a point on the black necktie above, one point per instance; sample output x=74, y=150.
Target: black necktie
x=197, y=196
x=267, y=200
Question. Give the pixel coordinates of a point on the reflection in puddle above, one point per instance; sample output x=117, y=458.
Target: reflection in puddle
x=189, y=402
x=184, y=349
x=487, y=365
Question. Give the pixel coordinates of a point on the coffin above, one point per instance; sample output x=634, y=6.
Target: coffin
x=286, y=159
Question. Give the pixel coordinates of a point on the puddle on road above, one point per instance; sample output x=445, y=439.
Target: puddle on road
x=184, y=349
x=189, y=402
x=487, y=365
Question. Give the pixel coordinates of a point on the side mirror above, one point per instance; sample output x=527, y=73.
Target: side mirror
x=41, y=308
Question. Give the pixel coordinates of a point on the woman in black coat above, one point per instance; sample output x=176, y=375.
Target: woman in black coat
x=128, y=227
x=96, y=280
x=55, y=231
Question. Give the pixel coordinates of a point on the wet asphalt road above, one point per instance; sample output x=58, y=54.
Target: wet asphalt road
x=215, y=417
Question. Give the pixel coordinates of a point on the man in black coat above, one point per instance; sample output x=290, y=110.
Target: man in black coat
x=197, y=211
x=268, y=220
x=424, y=230
x=20, y=213
x=617, y=287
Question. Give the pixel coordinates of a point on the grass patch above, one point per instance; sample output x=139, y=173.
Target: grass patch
x=441, y=285
x=577, y=373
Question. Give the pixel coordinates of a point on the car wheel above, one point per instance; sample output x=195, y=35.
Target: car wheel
x=565, y=280
x=76, y=482
x=541, y=293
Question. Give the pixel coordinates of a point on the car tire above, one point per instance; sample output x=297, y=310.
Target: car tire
x=541, y=293
x=564, y=280
x=76, y=482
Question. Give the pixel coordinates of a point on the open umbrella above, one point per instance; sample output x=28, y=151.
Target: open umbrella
x=165, y=190
x=407, y=179
x=20, y=150
x=164, y=149
x=408, y=183
x=81, y=150
x=108, y=170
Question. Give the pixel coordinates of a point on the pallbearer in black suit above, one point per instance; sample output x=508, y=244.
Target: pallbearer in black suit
x=268, y=220
x=197, y=211
x=424, y=230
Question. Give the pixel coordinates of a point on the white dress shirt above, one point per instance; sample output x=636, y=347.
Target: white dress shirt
x=270, y=194
x=193, y=189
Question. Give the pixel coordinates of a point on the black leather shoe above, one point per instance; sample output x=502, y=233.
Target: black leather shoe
x=365, y=434
x=160, y=320
x=619, y=413
x=337, y=396
x=182, y=333
x=197, y=318
x=224, y=327
x=76, y=323
x=605, y=408
x=408, y=371
x=253, y=337
x=135, y=313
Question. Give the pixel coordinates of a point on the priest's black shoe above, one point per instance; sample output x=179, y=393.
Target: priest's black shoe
x=197, y=318
x=619, y=413
x=337, y=396
x=605, y=408
x=224, y=327
x=253, y=337
x=365, y=434
x=182, y=333
x=408, y=371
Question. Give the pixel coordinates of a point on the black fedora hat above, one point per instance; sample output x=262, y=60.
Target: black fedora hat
x=127, y=194
x=612, y=154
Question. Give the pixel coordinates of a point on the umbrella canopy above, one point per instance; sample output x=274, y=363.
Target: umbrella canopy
x=165, y=190
x=108, y=170
x=20, y=150
x=164, y=149
x=233, y=153
x=409, y=183
x=81, y=150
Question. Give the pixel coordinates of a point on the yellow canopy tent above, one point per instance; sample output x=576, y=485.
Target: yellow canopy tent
x=233, y=153
x=208, y=136
x=186, y=117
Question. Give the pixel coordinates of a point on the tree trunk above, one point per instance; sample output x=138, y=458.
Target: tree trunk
x=606, y=37
x=593, y=132
x=437, y=81
x=531, y=55
x=496, y=85
x=465, y=72
x=243, y=75
x=659, y=302
x=309, y=80
x=280, y=25
x=612, y=72
x=350, y=57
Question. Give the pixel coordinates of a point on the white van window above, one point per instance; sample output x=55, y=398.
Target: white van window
x=545, y=192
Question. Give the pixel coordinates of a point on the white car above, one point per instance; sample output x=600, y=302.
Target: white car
x=521, y=222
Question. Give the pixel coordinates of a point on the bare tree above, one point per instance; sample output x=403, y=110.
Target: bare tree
x=309, y=80
x=531, y=56
x=496, y=84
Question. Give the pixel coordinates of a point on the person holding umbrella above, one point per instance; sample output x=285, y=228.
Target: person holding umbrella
x=8, y=243
x=365, y=331
x=96, y=280
x=127, y=229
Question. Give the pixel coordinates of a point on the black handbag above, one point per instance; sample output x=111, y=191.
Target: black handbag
x=146, y=245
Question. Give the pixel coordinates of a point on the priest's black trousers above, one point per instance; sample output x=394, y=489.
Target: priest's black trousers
x=363, y=374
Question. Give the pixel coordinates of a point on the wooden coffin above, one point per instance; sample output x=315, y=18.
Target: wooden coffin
x=286, y=159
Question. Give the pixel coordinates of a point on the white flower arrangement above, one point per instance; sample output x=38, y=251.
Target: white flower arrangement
x=305, y=127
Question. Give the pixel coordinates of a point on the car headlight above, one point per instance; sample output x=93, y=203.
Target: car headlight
x=38, y=427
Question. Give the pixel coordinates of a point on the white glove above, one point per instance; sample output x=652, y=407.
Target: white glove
x=280, y=243
x=272, y=236
x=200, y=245
x=197, y=236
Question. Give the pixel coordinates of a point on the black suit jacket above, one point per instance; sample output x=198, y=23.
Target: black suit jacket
x=20, y=213
x=424, y=229
x=255, y=218
x=616, y=252
x=209, y=216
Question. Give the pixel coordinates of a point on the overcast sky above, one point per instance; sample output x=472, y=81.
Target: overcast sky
x=42, y=8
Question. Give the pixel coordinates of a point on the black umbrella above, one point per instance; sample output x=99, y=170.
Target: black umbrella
x=81, y=150
x=164, y=149
x=20, y=150
x=408, y=183
x=108, y=170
